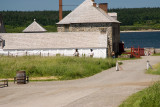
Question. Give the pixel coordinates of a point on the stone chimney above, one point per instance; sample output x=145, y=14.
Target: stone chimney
x=60, y=10
x=104, y=6
x=113, y=15
x=94, y=4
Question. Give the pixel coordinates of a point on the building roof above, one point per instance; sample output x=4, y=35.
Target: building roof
x=87, y=13
x=34, y=27
x=20, y=41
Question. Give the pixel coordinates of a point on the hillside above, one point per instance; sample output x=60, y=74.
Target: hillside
x=130, y=18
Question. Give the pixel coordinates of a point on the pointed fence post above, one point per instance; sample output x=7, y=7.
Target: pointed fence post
x=117, y=66
x=148, y=65
x=48, y=53
x=40, y=53
x=8, y=53
x=26, y=53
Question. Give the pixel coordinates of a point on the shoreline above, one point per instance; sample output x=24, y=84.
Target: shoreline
x=139, y=31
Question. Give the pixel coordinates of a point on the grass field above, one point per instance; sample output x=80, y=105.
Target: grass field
x=140, y=27
x=63, y=68
x=149, y=97
x=156, y=54
x=155, y=70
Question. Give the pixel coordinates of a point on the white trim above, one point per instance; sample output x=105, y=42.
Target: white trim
x=98, y=52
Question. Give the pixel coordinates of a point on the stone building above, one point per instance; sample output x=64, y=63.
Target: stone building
x=91, y=17
x=88, y=27
x=2, y=28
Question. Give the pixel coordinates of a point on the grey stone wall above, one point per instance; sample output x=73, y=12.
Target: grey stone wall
x=61, y=28
x=83, y=27
x=157, y=50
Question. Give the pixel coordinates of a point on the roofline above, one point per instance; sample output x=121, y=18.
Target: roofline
x=56, y=48
x=85, y=22
x=34, y=31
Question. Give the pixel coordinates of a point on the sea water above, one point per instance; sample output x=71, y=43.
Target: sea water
x=142, y=39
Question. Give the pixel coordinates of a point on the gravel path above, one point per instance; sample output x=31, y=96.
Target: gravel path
x=106, y=89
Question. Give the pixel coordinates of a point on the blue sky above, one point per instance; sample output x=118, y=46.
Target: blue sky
x=31, y=5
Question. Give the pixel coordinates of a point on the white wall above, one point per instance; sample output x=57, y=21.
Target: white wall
x=98, y=53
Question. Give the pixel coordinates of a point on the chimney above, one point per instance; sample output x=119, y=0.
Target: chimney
x=113, y=15
x=60, y=10
x=94, y=4
x=104, y=6
x=93, y=0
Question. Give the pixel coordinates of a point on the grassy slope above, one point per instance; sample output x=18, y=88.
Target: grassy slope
x=155, y=70
x=63, y=67
x=140, y=27
x=156, y=54
x=149, y=97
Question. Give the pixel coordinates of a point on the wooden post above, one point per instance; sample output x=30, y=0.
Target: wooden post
x=8, y=53
x=131, y=50
x=138, y=52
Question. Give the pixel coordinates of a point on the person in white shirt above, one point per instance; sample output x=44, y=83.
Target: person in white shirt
x=91, y=53
x=76, y=53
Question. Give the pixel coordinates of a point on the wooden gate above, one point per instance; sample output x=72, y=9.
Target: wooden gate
x=136, y=52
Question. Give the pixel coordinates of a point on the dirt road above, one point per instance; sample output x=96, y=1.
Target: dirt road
x=106, y=89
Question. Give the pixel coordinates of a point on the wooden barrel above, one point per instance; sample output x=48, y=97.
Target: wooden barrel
x=21, y=77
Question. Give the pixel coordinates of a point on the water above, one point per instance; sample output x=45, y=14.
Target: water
x=142, y=39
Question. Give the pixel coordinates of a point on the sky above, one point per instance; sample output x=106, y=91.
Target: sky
x=32, y=5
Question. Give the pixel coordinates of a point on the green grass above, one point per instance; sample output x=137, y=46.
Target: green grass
x=155, y=70
x=156, y=54
x=140, y=27
x=11, y=29
x=50, y=28
x=65, y=68
x=149, y=97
